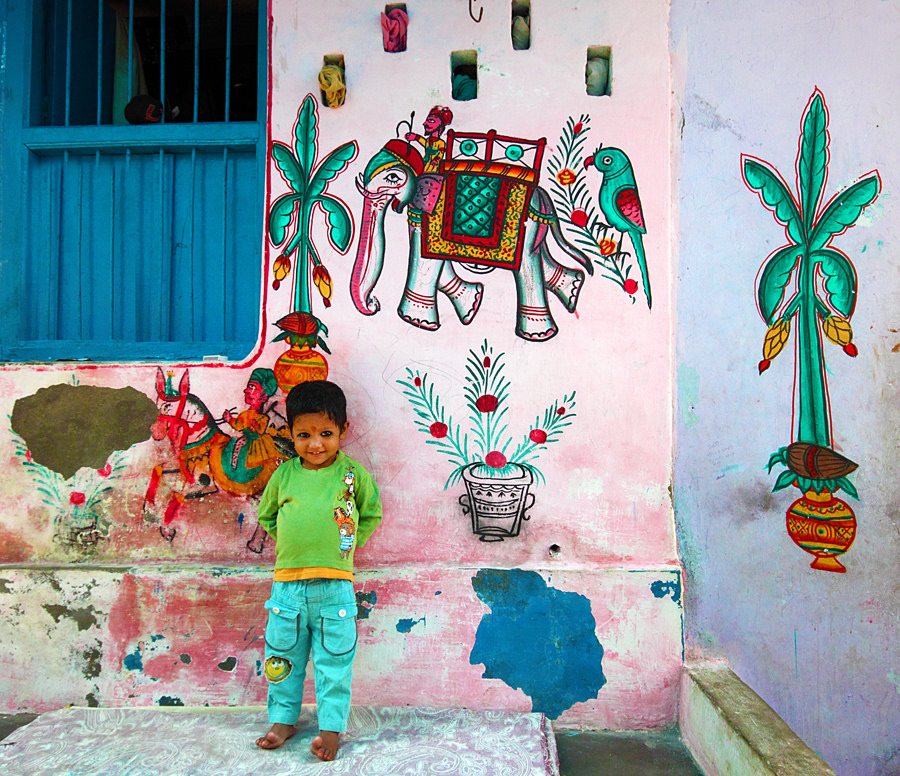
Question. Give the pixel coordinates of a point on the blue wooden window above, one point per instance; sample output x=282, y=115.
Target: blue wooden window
x=128, y=241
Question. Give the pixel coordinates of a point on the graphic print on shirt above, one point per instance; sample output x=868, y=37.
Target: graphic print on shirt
x=343, y=516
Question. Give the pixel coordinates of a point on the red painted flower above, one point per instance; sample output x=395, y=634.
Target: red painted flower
x=630, y=286
x=577, y=128
x=579, y=218
x=566, y=177
x=607, y=246
x=77, y=498
x=538, y=436
x=764, y=365
x=486, y=403
x=495, y=459
x=417, y=382
x=487, y=362
x=561, y=411
x=28, y=456
x=851, y=350
x=438, y=430
x=105, y=471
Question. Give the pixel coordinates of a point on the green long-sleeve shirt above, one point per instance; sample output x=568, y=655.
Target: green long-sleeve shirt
x=318, y=517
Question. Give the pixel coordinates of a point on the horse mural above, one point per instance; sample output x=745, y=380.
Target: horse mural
x=482, y=209
x=208, y=458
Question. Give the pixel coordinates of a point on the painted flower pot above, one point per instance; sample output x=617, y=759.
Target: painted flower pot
x=497, y=505
x=824, y=526
x=299, y=365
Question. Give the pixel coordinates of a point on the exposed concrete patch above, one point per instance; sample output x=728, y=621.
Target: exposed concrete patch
x=85, y=618
x=67, y=427
x=729, y=729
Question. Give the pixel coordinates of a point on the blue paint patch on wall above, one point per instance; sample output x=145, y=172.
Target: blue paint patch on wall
x=537, y=639
x=406, y=625
x=661, y=588
x=134, y=662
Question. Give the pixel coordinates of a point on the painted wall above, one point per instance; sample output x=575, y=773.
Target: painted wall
x=820, y=647
x=133, y=571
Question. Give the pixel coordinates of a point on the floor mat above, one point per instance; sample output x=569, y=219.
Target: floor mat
x=190, y=742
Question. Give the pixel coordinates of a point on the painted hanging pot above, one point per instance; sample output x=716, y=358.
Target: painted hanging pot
x=298, y=365
x=824, y=526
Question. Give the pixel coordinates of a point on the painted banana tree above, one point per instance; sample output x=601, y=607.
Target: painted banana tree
x=291, y=214
x=810, y=286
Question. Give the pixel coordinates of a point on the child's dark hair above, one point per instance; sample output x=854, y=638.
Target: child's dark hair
x=314, y=397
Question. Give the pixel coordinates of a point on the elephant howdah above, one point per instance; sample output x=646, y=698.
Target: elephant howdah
x=483, y=208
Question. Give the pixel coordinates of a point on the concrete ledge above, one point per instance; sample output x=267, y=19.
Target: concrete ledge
x=731, y=731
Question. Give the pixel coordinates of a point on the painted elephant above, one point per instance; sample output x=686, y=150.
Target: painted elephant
x=509, y=231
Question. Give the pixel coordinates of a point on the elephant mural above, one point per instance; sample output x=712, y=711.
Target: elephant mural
x=484, y=210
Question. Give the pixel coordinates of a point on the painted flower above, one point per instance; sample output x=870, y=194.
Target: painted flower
x=418, y=382
x=579, y=218
x=495, y=459
x=105, y=471
x=538, y=436
x=77, y=498
x=487, y=362
x=764, y=365
x=607, y=246
x=561, y=411
x=577, y=128
x=630, y=286
x=566, y=177
x=486, y=403
x=438, y=430
x=851, y=350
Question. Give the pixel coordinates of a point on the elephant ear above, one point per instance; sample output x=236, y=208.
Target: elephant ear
x=428, y=192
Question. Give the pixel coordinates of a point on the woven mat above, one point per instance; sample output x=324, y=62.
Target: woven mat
x=151, y=741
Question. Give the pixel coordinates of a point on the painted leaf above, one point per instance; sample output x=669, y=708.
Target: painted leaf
x=332, y=166
x=784, y=480
x=774, y=194
x=340, y=224
x=287, y=165
x=305, y=134
x=812, y=160
x=773, y=280
x=844, y=209
x=840, y=279
x=280, y=217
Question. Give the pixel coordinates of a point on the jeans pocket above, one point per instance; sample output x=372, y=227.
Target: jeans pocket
x=283, y=627
x=338, y=628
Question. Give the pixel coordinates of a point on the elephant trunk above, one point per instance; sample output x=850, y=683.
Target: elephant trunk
x=369, y=255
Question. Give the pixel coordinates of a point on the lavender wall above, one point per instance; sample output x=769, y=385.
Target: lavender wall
x=820, y=647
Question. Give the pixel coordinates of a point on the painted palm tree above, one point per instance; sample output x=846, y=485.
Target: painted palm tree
x=810, y=286
x=291, y=214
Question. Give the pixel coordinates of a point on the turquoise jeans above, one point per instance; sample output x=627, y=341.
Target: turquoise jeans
x=318, y=617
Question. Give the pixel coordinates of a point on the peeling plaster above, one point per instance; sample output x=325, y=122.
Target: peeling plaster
x=67, y=427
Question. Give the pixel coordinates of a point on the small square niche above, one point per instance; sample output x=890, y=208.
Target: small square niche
x=598, y=71
x=464, y=74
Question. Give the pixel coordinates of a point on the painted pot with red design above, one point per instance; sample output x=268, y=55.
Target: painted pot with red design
x=824, y=526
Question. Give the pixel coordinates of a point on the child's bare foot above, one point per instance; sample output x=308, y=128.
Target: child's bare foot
x=325, y=745
x=276, y=736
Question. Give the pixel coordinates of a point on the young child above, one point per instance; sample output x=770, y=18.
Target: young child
x=318, y=508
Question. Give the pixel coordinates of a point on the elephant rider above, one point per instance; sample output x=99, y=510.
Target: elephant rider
x=437, y=120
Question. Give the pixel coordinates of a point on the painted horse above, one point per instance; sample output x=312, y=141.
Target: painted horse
x=208, y=458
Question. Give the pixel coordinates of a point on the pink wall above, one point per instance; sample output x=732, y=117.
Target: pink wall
x=156, y=606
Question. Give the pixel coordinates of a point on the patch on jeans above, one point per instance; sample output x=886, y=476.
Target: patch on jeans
x=278, y=669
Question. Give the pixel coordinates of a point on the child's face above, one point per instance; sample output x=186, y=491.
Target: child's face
x=317, y=439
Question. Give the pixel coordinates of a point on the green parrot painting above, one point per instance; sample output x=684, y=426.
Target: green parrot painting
x=620, y=202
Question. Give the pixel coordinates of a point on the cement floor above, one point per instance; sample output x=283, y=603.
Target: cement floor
x=587, y=753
